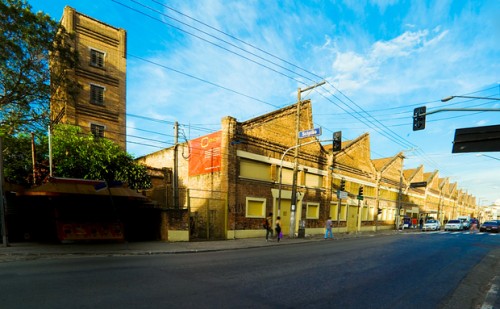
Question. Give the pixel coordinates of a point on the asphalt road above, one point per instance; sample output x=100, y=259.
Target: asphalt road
x=421, y=270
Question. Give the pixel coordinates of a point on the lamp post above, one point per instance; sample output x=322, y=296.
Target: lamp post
x=281, y=176
x=400, y=193
x=484, y=155
x=467, y=97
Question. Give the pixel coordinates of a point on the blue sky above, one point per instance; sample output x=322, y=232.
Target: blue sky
x=197, y=61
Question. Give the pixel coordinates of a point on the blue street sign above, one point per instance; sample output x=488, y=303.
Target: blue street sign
x=309, y=133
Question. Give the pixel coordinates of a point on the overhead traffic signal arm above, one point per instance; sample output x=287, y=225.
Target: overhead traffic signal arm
x=419, y=114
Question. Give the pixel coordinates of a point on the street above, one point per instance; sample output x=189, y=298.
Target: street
x=415, y=270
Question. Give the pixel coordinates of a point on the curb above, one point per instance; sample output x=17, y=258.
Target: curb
x=26, y=251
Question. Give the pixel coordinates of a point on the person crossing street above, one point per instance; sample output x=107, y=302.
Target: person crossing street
x=328, y=228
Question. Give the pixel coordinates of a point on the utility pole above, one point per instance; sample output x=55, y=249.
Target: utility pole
x=50, y=150
x=296, y=158
x=33, y=156
x=5, y=240
x=295, y=170
x=175, y=176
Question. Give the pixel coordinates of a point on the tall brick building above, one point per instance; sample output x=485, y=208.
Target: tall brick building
x=100, y=105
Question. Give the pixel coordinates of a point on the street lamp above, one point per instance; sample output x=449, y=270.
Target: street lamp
x=467, y=97
x=484, y=155
x=281, y=175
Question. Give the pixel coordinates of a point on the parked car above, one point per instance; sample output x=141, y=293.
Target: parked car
x=431, y=225
x=465, y=223
x=490, y=226
x=453, y=225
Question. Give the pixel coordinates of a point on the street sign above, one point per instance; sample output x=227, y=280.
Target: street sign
x=309, y=133
x=418, y=184
x=477, y=139
x=342, y=194
x=360, y=197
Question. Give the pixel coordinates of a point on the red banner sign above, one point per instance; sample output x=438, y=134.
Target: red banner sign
x=205, y=154
x=90, y=231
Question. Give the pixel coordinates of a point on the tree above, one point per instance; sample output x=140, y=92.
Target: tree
x=78, y=155
x=18, y=159
x=28, y=43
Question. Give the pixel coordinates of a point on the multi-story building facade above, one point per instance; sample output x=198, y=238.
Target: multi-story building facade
x=230, y=180
x=100, y=104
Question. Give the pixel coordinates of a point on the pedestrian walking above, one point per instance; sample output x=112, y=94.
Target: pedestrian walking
x=473, y=227
x=268, y=226
x=421, y=223
x=328, y=228
x=279, y=235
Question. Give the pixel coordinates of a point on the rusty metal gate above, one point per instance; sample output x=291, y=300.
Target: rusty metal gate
x=208, y=216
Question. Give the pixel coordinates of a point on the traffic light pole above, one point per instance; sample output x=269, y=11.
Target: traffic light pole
x=419, y=113
x=461, y=110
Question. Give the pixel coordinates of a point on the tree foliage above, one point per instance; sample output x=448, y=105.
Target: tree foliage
x=28, y=43
x=18, y=159
x=78, y=155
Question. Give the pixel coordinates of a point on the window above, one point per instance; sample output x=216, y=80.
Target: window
x=343, y=212
x=96, y=95
x=256, y=207
x=96, y=58
x=255, y=170
x=334, y=210
x=97, y=130
x=364, y=213
x=312, y=211
x=314, y=181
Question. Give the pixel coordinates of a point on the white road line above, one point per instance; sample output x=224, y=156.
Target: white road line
x=492, y=294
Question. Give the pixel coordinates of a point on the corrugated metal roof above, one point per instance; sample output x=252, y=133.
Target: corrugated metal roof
x=70, y=186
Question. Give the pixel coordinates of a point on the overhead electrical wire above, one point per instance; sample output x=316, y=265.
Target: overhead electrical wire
x=391, y=135
x=366, y=115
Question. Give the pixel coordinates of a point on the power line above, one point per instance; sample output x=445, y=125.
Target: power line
x=201, y=80
x=373, y=122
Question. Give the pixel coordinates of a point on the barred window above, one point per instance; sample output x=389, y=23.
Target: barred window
x=96, y=95
x=312, y=211
x=97, y=130
x=96, y=58
x=255, y=207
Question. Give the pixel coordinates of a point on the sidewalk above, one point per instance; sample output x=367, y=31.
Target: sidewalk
x=27, y=251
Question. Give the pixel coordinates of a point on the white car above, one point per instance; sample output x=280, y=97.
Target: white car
x=431, y=225
x=465, y=223
x=453, y=225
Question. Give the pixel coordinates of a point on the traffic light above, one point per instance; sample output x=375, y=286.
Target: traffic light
x=379, y=211
x=360, y=192
x=337, y=141
x=342, y=184
x=419, y=118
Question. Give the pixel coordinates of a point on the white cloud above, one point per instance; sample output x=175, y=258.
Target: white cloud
x=401, y=46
